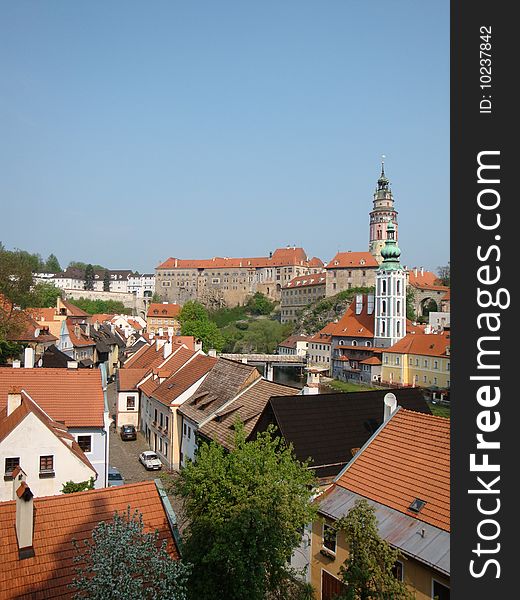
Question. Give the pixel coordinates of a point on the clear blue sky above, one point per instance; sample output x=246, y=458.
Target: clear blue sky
x=133, y=131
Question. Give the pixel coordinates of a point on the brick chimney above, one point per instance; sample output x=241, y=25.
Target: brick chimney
x=24, y=521
x=14, y=399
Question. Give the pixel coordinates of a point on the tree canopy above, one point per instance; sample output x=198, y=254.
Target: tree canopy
x=52, y=264
x=245, y=509
x=93, y=307
x=89, y=277
x=195, y=321
x=122, y=561
x=368, y=570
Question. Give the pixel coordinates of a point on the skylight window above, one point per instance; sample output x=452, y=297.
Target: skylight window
x=417, y=505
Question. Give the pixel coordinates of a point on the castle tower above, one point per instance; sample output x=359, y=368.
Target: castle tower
x=390, y=310
x=382, y=214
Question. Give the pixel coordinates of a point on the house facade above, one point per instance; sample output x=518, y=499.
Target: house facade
x=299, y=293
x=75, y=398
x=163, y=318
x=46, y=451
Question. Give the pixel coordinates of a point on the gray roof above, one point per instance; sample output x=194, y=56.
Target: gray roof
x=399, y=530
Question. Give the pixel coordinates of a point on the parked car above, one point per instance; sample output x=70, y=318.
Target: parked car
x=150, y=460
x=128, y=432
x=114, y=477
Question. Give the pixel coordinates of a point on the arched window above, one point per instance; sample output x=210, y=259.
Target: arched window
x=398, y=307
x=383, y=307
x=368, y=344
x=383, y=327
x=383, y=286
x=354, y=342
x=398, y=286
x=398, y=328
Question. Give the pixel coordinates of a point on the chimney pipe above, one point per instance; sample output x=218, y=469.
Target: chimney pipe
x=390, y=402
x=14, y=399
x=28, y=358
x=167, y=348
x=72, y=364
x=16, y=364
x=24, y=520
x=212, y=353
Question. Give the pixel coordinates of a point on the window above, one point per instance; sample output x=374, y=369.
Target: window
x=440, y=591
x=435, y=364
x=189, y=432
x=85, y=442
x=397, y=570
x=397, y=360
x=10, y=465
x=329, y=538
x=167, y=419
x=130, y=403
x=46, y=465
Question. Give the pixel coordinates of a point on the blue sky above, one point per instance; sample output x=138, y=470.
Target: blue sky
x=133, y=131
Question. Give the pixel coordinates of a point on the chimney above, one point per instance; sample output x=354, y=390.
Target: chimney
x=14, y=399
x=88, y=329
x=390, y=402
x=212, y=353
x=159, y=343
x=415, y=270
x=77, y=330
x=24, y=521
x=313, y=383
x=197, y=344
x=72, y=364
x=422, y=270
x=167, y=348
x=96, y=325
x=28, y=358
x=16, y=364
x=18, y=476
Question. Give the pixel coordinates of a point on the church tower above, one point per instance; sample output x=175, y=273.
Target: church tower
x=390, y=309
x=382, y=214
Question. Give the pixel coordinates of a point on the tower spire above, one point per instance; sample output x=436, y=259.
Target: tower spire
x=383, y=165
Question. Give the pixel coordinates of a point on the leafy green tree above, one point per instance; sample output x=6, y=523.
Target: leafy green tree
x=45, y=295
x=71, y=487
x=93, y=307
x=194, y=320
x=410, y=304
x=367, y=572
x=122, y=561
x=89, y=277
x=245, y=509
x=259, y=304
x=52, y=264
x=9, y=350
x=156, y=297
x=81, y=266
x=261, y=335
x=106, y=281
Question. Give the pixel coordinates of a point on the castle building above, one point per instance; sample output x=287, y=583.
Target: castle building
x=381, y=216
x=390, y=300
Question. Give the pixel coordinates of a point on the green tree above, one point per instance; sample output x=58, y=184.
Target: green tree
x=259, y=304
x=89, y=277
x=9, y=350
x=106, y=281
x=52, y=264
x=122, y=561
x=93, y=307
x=410, y=304
x=194, y=320
x=45, y=295
x=367, y=572
x=71, y=487
x=245, y=509
x=156, y=298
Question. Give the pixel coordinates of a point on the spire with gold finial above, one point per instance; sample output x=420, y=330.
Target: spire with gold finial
x=383, y=182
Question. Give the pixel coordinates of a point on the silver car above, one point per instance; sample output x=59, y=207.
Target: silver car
x=150, y=460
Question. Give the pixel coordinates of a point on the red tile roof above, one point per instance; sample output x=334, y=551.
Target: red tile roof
x=175, y=385
x=60, y=519
x=352, y=260
x=179, y=357
x=424, y=344
x=426, y=278
x=280, y=257
x=77, y=336
x=146, y=357
x=158, y=309
x=74, y=396
x=306, y=281
x=408, y=458
x=127, y=379
x=351, y=324
x=73, y=310
x=101, y=318
x=292, y=341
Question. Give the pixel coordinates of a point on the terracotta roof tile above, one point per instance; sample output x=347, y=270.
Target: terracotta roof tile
x=179, y=357
x=292, y=340
x=352, y=260
x=424, y=344
x=127, y=379
x=306, y=281
x=175, y=385
x=158, y=309
x=74, y=396
x=60, y=519
x=408, y=458
x=354, y=325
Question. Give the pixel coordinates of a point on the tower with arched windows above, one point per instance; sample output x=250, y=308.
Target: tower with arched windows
x=390, y=300
x=381, y=216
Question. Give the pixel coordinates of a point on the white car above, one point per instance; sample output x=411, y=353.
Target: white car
x=150, y=460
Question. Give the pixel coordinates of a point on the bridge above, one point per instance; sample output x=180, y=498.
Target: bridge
x=269, y=360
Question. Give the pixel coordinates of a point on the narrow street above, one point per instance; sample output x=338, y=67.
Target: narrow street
x=124, y=455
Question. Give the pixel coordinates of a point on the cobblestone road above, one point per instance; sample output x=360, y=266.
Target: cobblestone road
x=124, y=455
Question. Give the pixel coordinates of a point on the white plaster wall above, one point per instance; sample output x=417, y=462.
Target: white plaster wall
x=124, y=416
x=30, y=440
